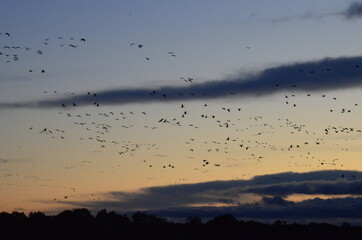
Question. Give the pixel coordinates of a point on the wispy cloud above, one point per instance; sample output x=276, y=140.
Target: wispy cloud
x=353, y=11
x=321, y=75
x=260, y=197
x=306, y=16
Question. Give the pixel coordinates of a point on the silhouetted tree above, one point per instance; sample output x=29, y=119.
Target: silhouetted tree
x=79, y=216
x=279, y=223
x=194, y=220
x=144, y=218
x=75, y=223
x=111, y=218
x=226, y=219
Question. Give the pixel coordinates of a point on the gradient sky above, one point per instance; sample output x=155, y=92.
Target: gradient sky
x=275, y=91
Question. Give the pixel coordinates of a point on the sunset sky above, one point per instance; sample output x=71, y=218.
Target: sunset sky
x=182, y=108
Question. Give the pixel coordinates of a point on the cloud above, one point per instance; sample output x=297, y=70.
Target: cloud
x=353, y=11
x=322, y=75
x=262, y=197
x=335, y=210
x=338, y=187
x=278, y=201
x=3, y=161
x=306, y=16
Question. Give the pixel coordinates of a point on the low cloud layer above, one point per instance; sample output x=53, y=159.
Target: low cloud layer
x=322, y=75
x=336, y=210
x=262, y=197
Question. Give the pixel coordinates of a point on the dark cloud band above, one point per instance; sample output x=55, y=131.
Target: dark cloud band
x=322, y=75
x=270, y=197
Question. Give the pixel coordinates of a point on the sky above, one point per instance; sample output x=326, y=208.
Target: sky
x=182, y=108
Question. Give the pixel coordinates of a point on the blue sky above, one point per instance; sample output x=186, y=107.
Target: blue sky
x=257, y=88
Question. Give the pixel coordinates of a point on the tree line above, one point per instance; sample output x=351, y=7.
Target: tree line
x=81, y=224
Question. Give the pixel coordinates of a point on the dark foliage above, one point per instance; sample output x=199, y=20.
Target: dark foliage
x=81, y=224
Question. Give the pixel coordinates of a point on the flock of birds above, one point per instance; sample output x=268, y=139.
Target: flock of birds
x=14, y=53
x=227, y=118
x=171, y=53
x=242, y=138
